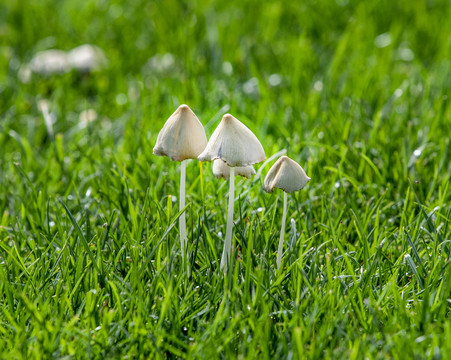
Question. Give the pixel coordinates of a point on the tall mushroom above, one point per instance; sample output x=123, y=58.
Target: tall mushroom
x=288, y=175
x=237, y=146
x=182, y=137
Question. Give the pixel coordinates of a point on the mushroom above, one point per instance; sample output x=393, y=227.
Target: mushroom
x=222, y=170
x=288, y=175
x=237, y=146
x=50, y=62
x=85, y=58
x=182, y=137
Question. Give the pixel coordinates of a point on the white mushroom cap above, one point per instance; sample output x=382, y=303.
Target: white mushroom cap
x=233, y=143
x=285, y=174
x=182, y=137
x=49, y=62
x=222, y=170
x=87, y=58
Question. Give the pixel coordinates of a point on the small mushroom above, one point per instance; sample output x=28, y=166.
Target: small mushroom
x=288, y=175
x=86, y=58
x=222, y=170
x=50, y=62
x=237, y=146
x=182, y=137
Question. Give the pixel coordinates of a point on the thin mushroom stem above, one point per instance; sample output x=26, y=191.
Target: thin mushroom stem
x=225, y=260
x=182, y=218
x=282, y=231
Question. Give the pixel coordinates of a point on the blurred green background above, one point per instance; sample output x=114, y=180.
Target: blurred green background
x=375, y=74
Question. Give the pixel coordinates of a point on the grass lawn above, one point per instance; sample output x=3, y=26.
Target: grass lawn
x=357, y=92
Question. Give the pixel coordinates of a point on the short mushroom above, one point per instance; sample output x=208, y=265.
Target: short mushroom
x=222, y=170
x=86, y=58
x=182, y=137
x=50, y=62
x=288, y=175
x=237, y=146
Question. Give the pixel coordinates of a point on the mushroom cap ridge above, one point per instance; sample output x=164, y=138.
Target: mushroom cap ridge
x=285, y=174
x=182, y=136
x=234, y=143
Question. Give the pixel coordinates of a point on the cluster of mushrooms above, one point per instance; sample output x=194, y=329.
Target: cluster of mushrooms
x=233, y=148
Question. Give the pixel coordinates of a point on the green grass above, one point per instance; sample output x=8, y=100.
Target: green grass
x=90, y=264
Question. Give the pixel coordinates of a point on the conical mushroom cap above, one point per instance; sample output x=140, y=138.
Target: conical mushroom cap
x=285, y=174
x=222, y=170
x=233, y=143
x=182, y=137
